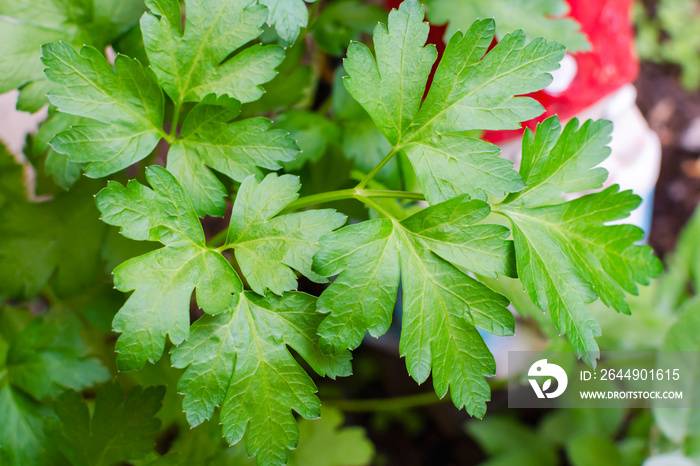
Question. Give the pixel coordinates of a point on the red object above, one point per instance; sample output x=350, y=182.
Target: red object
x=611, y=63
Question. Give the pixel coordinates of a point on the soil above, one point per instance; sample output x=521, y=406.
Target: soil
x=669, y=109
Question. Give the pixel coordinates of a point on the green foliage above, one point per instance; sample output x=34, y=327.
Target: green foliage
x=165, y=278
x=361, y=140
x=177, y=129
x=313, y=133
x=342, y=21
x=434, y=251
x=126, y=100
x=594, y=450
x=267, y=246
x=193, y=63
x=585, y=436
x=117, y=429
x=11, y=178
x=126, y=103
x=64, y=172
x=251, y=367
x=39, y=358
x=680, y=424
x=540, y=18
x=57, y=242
x=238, y=360
x=25, y=27
x=287, y=17
x=350, y=445
x=467, y=93
x=507, y=442
x=566, y=255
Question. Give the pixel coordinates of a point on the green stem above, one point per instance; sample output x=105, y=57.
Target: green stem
x=356, y=193
x=362, y=195
x=497, y=211
x=313, y=9
x=326, y=106
x=173, y=124
x=217, y=241
x=401, y=402
x=376, y=169
x=386, y=404
x=224, y=247
x=370, y=203
x=321, y=198
x=50, y=296
x=392, y=194
x=164, y=135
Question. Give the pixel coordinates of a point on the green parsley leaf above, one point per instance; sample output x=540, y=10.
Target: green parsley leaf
x=267, y=247
x=351, y=447
x=556, y=162
x=566, y=254
x=129, y=103
x=594, y=449
x=11, y=178
x=39, y=358
x=22, y=441
x=509, y=442
x=25, y=27
x=679, y=350
x=471, y=90
x=342, y=21
x=49, y=356
x=362, y=141
x=287, y=16
x=290, y=86
x=540, y=18
x=126, y=100
x=57, y=241
x=313, y=133
x=117, y=430
x=164, y=279
x=432, y=253
x=239, y=360
x=64, y=171
x=195, y=63
x=391, y=87
x=208, y=138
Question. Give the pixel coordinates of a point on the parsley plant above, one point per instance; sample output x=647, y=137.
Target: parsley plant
x=184, y=120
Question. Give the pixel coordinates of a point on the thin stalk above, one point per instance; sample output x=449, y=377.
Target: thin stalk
x=362, y=195
x=218, y=239
x=499, y=210
x=401, y=402
x=392, y=194
x=331, y=196
x=321, y=198
x=376, y=169
x=370, y=203
x=173, y=124
x=386, y=404
x=326, y=106
x=164, y=135
x=313, y=9
x=224, y=247
x=50, y=296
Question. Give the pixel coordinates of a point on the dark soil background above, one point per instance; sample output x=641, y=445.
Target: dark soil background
x=435, y=435
x=669, y=109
